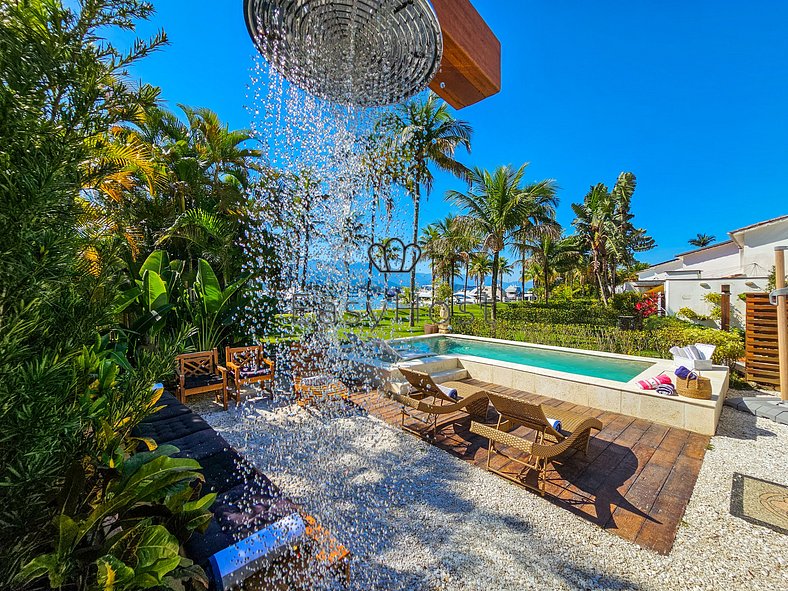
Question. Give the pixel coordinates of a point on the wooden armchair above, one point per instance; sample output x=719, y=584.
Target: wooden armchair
x=199, y=373
x=248, y=365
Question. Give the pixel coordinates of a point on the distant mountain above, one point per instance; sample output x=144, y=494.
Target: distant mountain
x=321, y=272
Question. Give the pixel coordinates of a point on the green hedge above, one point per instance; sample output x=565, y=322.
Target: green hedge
x=569, y=312
x=648, y=343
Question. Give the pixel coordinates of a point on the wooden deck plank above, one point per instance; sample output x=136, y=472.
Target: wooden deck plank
x=635, y=481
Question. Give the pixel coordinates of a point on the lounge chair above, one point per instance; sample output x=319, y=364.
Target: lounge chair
x=199, y=373
x=390, y=354
x=427, y=401
x=549, y=442
x=248, y=365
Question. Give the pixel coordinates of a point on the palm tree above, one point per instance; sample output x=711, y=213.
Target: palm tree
x=550, y=255
x=353, y=237
x=431, y=249
x=480, y=266
x=504, y=268
x=702, y=240
x=604, y=226
x=496, y=206
x=429, y=135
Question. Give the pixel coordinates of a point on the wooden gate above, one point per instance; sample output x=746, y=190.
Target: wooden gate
x=762, y=363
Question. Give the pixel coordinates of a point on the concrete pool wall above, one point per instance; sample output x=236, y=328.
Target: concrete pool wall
x=700, y=416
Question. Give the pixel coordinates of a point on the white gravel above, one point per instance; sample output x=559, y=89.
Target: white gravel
x=417, y=518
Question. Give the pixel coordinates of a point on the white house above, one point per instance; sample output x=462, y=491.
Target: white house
x=744, y=262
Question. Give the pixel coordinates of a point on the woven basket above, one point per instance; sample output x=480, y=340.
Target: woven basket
x=699, y=389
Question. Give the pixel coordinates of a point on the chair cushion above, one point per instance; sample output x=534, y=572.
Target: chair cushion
x=169, y=407
x=251, y=372
x=317, y=381
x=175, y=427
x=227, y=469
x=201, y=381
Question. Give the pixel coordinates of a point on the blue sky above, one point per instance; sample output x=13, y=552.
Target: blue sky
x=690, y=96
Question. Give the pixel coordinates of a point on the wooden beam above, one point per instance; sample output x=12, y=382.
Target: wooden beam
x=782, y=320
x=471, y=66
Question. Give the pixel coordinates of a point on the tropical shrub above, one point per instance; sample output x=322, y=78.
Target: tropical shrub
x=70, y=386
x=569, y=312
x=654, y=342
x=118, y=521
x=443, y=292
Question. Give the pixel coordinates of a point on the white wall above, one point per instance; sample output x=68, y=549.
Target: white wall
x=757, y=256
x=714, y=262
x=689, y=293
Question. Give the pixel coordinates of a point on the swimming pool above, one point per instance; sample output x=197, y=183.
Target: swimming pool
x=597, y=366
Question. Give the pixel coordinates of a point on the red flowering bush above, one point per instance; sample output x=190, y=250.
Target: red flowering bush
x=647, y=306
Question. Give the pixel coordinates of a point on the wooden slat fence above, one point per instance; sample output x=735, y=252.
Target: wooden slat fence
x=762, y=363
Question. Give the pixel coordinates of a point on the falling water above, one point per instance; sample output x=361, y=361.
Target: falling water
x=323, y=456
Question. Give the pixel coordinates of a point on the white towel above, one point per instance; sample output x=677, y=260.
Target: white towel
x=693, y=353
x=450, y=392
x=555, y=424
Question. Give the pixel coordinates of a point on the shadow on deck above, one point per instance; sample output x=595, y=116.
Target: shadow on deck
x=636, y=480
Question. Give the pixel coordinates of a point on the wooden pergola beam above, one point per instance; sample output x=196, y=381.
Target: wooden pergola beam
x=471, y=66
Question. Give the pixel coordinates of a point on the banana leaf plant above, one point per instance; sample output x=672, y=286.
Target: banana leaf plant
x=211, y=309
x=146, y=305
x=121, y=524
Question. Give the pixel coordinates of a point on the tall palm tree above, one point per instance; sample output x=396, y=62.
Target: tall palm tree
x=353, y=236
x=431, y=245
x=504, y=268
x=495, y=207
x=550, y=256
x=480, y=266
x=702, y=240
x=604, y=225
x=429, y=136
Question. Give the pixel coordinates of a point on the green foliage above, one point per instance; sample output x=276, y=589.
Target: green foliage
x=654, y=341
x=443, y=292
x=623, y=304
x=569, y=312
x=211, y=308
x=115, y=522
x=71, y=389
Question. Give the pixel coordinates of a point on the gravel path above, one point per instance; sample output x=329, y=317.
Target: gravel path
x=417, y=518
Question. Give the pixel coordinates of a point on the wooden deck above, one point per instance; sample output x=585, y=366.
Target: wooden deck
x=636, y=480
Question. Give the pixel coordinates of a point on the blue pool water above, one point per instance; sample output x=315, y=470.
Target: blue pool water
x=619, y=370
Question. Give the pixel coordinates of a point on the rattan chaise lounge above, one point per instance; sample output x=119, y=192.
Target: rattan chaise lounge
x=548, y=443
x=427, y=401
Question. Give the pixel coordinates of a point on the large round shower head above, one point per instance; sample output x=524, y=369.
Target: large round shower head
x=355, y=52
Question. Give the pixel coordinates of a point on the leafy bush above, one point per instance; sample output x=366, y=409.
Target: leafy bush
x=70, y=397
x=569, y=312
x=623, y=304
x=654, y=342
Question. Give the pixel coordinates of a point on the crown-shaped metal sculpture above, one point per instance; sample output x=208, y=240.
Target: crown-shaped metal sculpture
x=394, y=256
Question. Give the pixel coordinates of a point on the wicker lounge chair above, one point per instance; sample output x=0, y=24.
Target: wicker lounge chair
x=427, y=402
x=248, y=365
x=548, y=443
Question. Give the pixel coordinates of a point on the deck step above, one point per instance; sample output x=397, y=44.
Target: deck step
x=449, y=375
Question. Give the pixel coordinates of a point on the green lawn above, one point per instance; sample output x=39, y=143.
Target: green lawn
x=397, y=326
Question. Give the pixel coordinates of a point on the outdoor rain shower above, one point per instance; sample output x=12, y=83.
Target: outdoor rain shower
x=353, y=52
